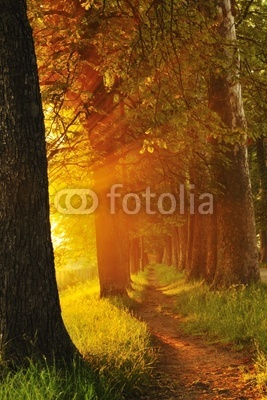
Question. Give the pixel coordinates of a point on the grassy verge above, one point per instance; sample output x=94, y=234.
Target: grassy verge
x=236, y=315
x=115, y=344
x=41, y=382
x=109, y=337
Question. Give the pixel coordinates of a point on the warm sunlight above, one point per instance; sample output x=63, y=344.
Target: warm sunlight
x=133, y=200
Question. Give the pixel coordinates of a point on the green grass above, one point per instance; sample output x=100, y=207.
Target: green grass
x=166, y=275
x=39, y=382
x=115, y=345
x=109, y=337
x=139, y=285
x=236, y=315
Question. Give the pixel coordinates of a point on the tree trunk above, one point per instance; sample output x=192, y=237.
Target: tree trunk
x=182, y=242
x=111, y=238
x=236, y=237
x=167, y=258
x=143, y=254
x=211, y=246
x=197, y=267
x=262, y=159
x=30, y=317
x=159, y=256
x=190, y=242
x=263, y=247
x=135, y=256
x=175, y=246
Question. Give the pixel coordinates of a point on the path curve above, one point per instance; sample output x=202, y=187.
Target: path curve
x=188, y=367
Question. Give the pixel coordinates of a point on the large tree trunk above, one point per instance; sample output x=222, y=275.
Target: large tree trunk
x=236, y=236
x=112, y=242
x=30, y=317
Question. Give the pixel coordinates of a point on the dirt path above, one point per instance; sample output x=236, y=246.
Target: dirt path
x=189, y=368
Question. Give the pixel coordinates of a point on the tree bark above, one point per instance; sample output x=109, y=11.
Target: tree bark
x=190, y=242
x=167, y=258
x=182, y=242
x=263, y=247
x=175, y=246
x=30, y=317
x=135, y=255
x=236, y=236
x=211, y=246
x=143, y=254
x=197, y=267
x=262, y=168
x=111, y=238
x=159, y=256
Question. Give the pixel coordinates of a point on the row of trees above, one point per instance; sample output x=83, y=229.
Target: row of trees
x=142, y=93
x=156, y=87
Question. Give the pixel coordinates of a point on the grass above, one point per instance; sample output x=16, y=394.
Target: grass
x=139, y=284
x=39, y=382
x=114, y=343
x=236, y=315
x=109, y=337
x=117, y=346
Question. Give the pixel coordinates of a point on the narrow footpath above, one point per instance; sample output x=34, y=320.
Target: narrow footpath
x=189, y=367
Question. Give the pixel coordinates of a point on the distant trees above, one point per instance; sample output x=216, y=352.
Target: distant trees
x=31, y=326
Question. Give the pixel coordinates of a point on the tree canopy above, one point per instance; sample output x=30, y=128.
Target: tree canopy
x=139, y=85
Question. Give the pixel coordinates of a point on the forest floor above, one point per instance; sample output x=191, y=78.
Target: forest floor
x=189, y=367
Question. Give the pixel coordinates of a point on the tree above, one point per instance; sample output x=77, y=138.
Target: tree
x=111, y=238
x=236, y=236
x=252, y=36
x=31, y=325
x=261, y=201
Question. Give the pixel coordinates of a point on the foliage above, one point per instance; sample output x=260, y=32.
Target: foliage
x=252, y=34
x=127, y=83
x=73, y=240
